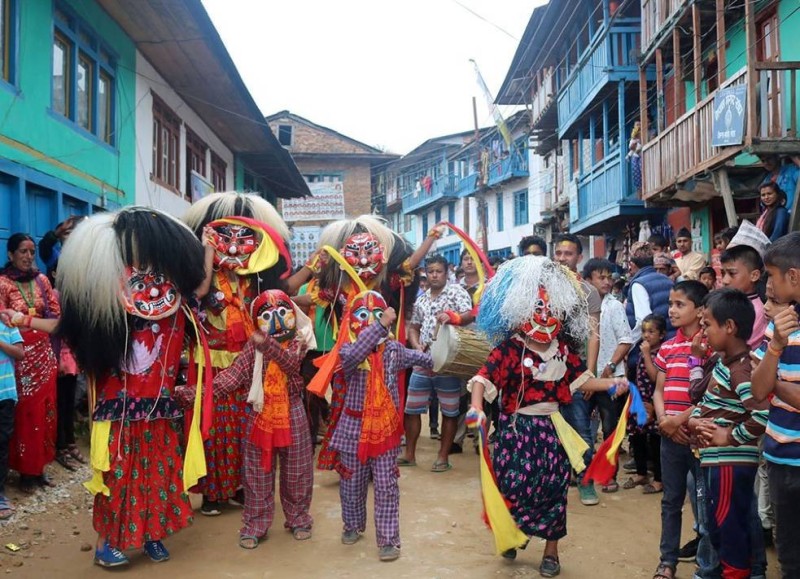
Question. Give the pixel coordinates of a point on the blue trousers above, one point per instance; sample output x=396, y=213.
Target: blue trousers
x=578, y=416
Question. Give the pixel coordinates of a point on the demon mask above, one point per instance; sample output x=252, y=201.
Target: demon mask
x=234, y=244
x=365, y=254
x=149, y=295
x=543, y=327
x=273, y=312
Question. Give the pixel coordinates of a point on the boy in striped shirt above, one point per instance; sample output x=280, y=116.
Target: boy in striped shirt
x=728, y=423
x=778, y=377
x=673, y=407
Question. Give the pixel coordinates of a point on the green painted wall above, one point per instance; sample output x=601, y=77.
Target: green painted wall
x=25, y=114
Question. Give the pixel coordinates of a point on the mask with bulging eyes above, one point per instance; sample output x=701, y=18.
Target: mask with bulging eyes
x=543, y=327
x=365, y=254
x=367, y=308
x=149, y=295
x=274, y=315
x=234, y=244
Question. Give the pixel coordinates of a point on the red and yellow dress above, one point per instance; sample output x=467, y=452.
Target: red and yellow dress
x=33, y=444
x=141, y=496
x=228, y=326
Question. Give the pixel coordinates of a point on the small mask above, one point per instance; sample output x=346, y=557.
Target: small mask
x=367, y=308
x=149, y=295
x=543, y=326
x=365, y=254
x=234, y=245
x=274, y=314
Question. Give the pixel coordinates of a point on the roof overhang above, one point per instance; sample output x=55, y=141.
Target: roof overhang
x=178, y=38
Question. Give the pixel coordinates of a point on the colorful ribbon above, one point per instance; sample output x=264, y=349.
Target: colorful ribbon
x=485, y=270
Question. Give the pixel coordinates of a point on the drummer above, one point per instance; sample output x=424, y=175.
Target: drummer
x=442, y=303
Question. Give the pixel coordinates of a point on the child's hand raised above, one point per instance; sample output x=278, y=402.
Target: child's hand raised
x=699, y=349
x=388, y=318
x=785, y=324
x=645, y=348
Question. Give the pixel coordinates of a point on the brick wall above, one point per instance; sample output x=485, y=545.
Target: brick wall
x=356, y=177
x=307, y=139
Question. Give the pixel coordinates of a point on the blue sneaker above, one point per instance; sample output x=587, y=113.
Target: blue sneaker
x=156, y=551
x=108, y=556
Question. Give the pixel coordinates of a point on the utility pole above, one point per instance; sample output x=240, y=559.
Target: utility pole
x=482, y=225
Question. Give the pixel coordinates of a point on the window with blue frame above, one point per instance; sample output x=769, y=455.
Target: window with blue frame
x=424, y=225
x=84, y=69
x=438, y=214
x=452, y=253
x=451, y=213
x=8, y=28
x=499, y=212
x=521, y=207
x=502, y=253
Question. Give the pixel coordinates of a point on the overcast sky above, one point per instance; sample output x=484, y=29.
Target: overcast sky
x=389, y=74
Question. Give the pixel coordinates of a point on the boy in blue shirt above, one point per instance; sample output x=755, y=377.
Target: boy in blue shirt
x=10, y=349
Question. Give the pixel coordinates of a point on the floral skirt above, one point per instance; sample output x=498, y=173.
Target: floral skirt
x=533, y=473
x=146, y=502
x=33, y=445
x=224, y=448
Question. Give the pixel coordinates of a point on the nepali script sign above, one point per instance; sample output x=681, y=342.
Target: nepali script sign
x=326, y=203
x=729, y=109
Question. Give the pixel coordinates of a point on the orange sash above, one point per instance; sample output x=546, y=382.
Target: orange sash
x=380, y=423
x=272, y=428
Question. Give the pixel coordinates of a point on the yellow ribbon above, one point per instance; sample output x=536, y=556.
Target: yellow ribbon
x=348, y=269
x=99, y=455
x=504, y=528
x=572, y=442
x=194, y=461
x=264, y=257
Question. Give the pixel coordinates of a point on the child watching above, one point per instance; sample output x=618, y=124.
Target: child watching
x=774, y=219
x=616, y=341
x=10, y=349
x=645, y=440
x=728, y=424
x=741, y=269
x=708, y=277
x=673, y=407
x=724, y=237
x=776, y=374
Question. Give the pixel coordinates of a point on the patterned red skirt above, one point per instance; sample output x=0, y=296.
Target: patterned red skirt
x=147, y=502
x=33, y=445
x=224, y=448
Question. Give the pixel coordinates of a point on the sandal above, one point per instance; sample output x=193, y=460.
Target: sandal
x=549, y=567
x=403, y=461
x=441, y=467
x=249, y=542
x=632, y=483
x=75, y=453
x=6, y=510
x=611, y=487
x=651, y=489
x=65, y=459
x=301, y=533
x=664, y=571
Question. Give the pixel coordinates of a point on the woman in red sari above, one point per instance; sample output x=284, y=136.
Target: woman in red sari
x=24, y=290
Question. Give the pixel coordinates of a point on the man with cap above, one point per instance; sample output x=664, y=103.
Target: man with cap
x=689, y=262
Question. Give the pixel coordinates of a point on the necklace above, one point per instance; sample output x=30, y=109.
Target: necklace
x=30, y=297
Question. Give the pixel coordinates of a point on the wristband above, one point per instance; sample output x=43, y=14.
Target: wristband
x=694, y=362
x=313, y=264
x=455, y=318
x=774, y=351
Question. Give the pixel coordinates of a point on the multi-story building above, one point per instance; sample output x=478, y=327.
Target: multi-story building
x=473, y=180
x=723, y=91
x=341, y=172
x=106, y=103
x=576, y=68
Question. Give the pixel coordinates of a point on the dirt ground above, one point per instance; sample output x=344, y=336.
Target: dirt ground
x=442, y=533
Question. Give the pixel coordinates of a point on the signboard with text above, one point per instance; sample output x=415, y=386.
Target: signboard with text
x=727, y=127
x=326, y=203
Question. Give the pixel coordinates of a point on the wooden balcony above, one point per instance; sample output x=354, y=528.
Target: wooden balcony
x=611, y=57
x=394, y=201
x=658, y=17
x=684, y=149
x=543, y=98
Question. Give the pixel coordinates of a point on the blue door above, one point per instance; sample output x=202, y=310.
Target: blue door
x=8, y=194
x=42, y=213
